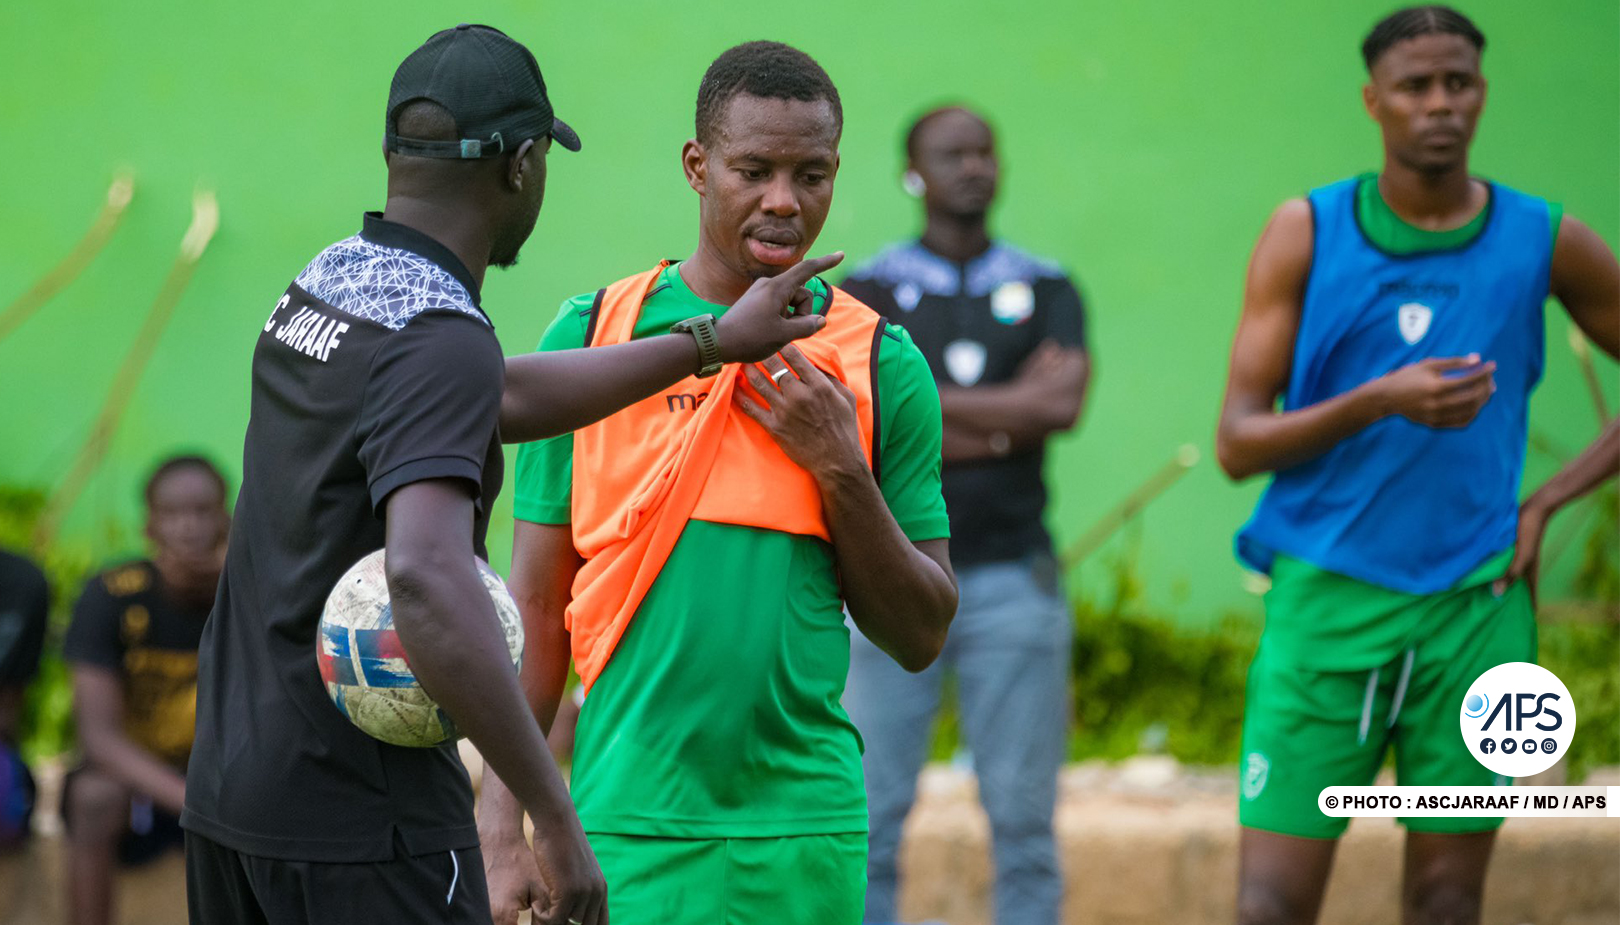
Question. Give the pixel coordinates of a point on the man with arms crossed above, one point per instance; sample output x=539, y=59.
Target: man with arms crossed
x=377, y=416
x=1399, y=317
x=694, y=552
x=1004, y=334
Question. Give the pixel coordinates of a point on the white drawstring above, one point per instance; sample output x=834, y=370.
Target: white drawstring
x=1400, y=688
x=455, y=874
x=1366, y=707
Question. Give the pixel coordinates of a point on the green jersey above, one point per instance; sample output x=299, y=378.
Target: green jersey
x=718, y=715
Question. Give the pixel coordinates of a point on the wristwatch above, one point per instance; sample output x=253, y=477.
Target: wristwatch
x=708, y=340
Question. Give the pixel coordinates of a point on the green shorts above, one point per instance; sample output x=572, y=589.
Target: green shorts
x=1306, y=728
x=798, y=880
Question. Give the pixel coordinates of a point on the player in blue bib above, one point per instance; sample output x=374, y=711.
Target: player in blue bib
x=1398, y=318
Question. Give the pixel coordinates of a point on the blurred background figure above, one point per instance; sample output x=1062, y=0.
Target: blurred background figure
x=1004, y=334
x=24, y=607
x=132, y=648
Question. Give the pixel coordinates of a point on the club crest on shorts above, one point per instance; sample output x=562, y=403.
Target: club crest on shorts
x=1255, y=771
x=1413, y=318
x=964, y=360
x=1012, y=302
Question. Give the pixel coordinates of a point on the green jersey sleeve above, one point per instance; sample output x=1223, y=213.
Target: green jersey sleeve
x=909, y=438
x=543, y=493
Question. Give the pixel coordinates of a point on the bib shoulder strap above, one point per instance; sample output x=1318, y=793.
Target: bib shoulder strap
x=616, y=308
x=861, y=330
x=878, y=331
x=590, y=321
x=843, y=308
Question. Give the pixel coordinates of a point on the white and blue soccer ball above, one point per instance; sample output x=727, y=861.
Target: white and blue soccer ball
x=363, y=663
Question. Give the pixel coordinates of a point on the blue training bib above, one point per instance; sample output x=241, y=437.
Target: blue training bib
x=1399, y=504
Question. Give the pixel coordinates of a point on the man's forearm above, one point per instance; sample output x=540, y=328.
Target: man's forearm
x=959, y=444
x=458, y=653
x=900, y=598
x=500, y=815
x=1024, y=415
x=1259, y=440
x=544, y=679
x=115, y=755
x=555, y=392
x=1599, y=461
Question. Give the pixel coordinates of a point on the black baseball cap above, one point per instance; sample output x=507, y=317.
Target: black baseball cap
x=491, y=86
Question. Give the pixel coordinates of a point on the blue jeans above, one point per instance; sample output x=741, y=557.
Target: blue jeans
x=1009, y=650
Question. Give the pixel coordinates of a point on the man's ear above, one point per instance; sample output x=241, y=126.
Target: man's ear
x=515, y=172
x=1369, y=99
x=695, y=161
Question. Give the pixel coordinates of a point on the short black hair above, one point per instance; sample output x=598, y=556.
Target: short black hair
x=770, y=70
x=914, y=134
x=1413, y=22
x=174, y=464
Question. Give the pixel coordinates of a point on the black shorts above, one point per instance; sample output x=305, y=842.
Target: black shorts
x=149, y=833
x=226, y=887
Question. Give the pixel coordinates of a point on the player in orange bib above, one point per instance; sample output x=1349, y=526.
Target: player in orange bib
x=693, y=553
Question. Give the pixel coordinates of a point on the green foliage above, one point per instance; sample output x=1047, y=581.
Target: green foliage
x=47, y=721
x=1141, y=682
x=1598, y=578
x=1139, y=678
x=1585, y=655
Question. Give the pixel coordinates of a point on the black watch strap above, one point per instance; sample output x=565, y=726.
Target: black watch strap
x=703, y=331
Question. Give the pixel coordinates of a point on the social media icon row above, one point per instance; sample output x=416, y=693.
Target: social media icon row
x=1509, y=746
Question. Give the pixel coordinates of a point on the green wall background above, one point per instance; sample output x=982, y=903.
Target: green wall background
x=1143, y=144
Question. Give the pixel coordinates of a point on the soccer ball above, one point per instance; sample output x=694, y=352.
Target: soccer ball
x=364, y=665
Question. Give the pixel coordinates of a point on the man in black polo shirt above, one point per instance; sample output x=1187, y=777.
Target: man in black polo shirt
x=377, y=417
x=1003, y=332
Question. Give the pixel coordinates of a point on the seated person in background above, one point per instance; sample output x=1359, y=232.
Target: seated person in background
x=132, y=648
x=24, y=606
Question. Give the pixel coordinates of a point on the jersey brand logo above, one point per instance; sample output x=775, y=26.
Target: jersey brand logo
x=1413, y=318
x=678, y=402
x=964, y=360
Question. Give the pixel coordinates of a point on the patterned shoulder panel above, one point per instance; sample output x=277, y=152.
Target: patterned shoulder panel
x=1003, y=263
x=912, y=266
x=387, y=285
x=912, y=270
